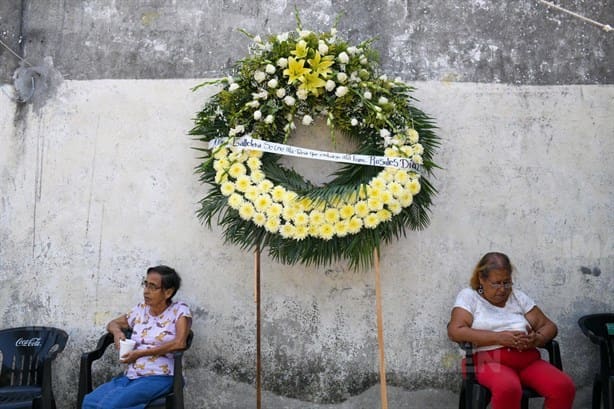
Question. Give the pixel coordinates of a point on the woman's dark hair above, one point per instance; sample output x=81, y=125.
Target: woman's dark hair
x=170, y=278
x=489, y=262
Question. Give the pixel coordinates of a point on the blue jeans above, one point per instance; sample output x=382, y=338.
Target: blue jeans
x=124, y=393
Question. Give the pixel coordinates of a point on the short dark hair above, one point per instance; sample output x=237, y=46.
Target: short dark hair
x=170, y=278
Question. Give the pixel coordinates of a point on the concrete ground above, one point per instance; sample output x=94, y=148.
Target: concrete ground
x=237, y=395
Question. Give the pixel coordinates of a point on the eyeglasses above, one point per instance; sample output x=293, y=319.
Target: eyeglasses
x=149, y=286
x=496, y=286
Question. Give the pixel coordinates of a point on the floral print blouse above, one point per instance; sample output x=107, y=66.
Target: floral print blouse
x=150, y=331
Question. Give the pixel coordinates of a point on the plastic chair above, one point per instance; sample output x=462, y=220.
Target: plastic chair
x=25, y=375
x=594, y=326
x=172, y=400
x=475, y=396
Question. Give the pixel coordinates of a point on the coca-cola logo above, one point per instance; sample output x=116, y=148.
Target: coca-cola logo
x=32, y=342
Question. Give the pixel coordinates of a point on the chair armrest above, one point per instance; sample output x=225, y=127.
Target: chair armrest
x=85, y=369
x=554, y=353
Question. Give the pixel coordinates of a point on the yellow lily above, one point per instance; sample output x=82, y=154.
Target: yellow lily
x=313, y=83
x=301, y=49
x=321, y=66
x=295, y=70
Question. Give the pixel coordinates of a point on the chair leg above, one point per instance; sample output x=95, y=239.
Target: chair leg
x=596, y=401
x=461, y=400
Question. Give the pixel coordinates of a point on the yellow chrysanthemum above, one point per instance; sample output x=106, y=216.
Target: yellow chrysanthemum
x=246, y=211
x=220, y=153
x=278, y=193
x=258, y=176
x=227, y=188
x=414, y=186
x=272, y=224
x=301, y=219
x=341, y=228
x=300, y=232
x=275, y=210
x=253, y=153
x=295, y=71
x=406, y=199
x=289, y=212
x=346, y=211
x=287, y=231
x=259, y=219
x=401, y=176
x=331, y=216
x=326, y=231
x=251, y=193
x=243, y=182
x=361, y=208
x=235, y=201
x=289, y=198
x=378, y=184
x=395, y=188
x=384, y=215
x=354, y=225
x=221, y=176
x=262, y=202
x=316, y=217
x=265, y=186
x=371, y=221
x=395, y=207
x=236, y=170
x=375, y=204
x=254, y=163
x=386, y=197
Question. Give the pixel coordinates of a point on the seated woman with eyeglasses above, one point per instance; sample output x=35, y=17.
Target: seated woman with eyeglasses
x=505, y=326
x=159, y=326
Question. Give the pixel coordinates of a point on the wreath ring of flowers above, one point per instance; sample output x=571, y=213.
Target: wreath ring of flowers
x=296, y=77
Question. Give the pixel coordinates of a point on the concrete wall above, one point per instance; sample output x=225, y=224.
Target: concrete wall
x=96, y=184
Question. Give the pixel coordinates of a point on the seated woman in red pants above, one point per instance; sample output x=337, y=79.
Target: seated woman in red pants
x=505, y=326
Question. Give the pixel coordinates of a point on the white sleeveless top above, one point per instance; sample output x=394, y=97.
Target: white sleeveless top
x=487, y=316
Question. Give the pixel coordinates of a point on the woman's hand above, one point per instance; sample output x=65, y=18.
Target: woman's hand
x=510, y=339
x=131, y=356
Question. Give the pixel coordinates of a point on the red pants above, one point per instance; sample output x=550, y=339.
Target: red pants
x=505, y=371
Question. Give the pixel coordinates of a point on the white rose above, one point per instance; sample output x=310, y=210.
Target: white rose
x=352, y=50
x=343, y=58
x=354, y=121
x=253, y=104
x=282, y=37
x=302, y=94
x=257, y=39
x=269, y=119
x=233, y=87
x=322, y=47
x=257, y=115
x=282, y=62
x=368, y=95
x=273, y=83
x=270, y=69
x=342, y=77
x=330, y=85
x=307, y=120
x=363, y=60
x=289, y=100
x=280, y=93
x=304, y=33
x=341, y=91
x=384, y=133
x=382, y=100
x=259, y=76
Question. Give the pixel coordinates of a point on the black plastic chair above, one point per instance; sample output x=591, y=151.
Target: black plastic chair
x=594, y=326
x=25, y=375
x=475, y=396
x=172, y=400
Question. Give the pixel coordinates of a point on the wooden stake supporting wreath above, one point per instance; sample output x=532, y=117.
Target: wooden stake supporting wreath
x=381, y=190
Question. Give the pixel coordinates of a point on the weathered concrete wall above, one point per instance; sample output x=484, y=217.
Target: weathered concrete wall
x=97, y=184
x=519, y=42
